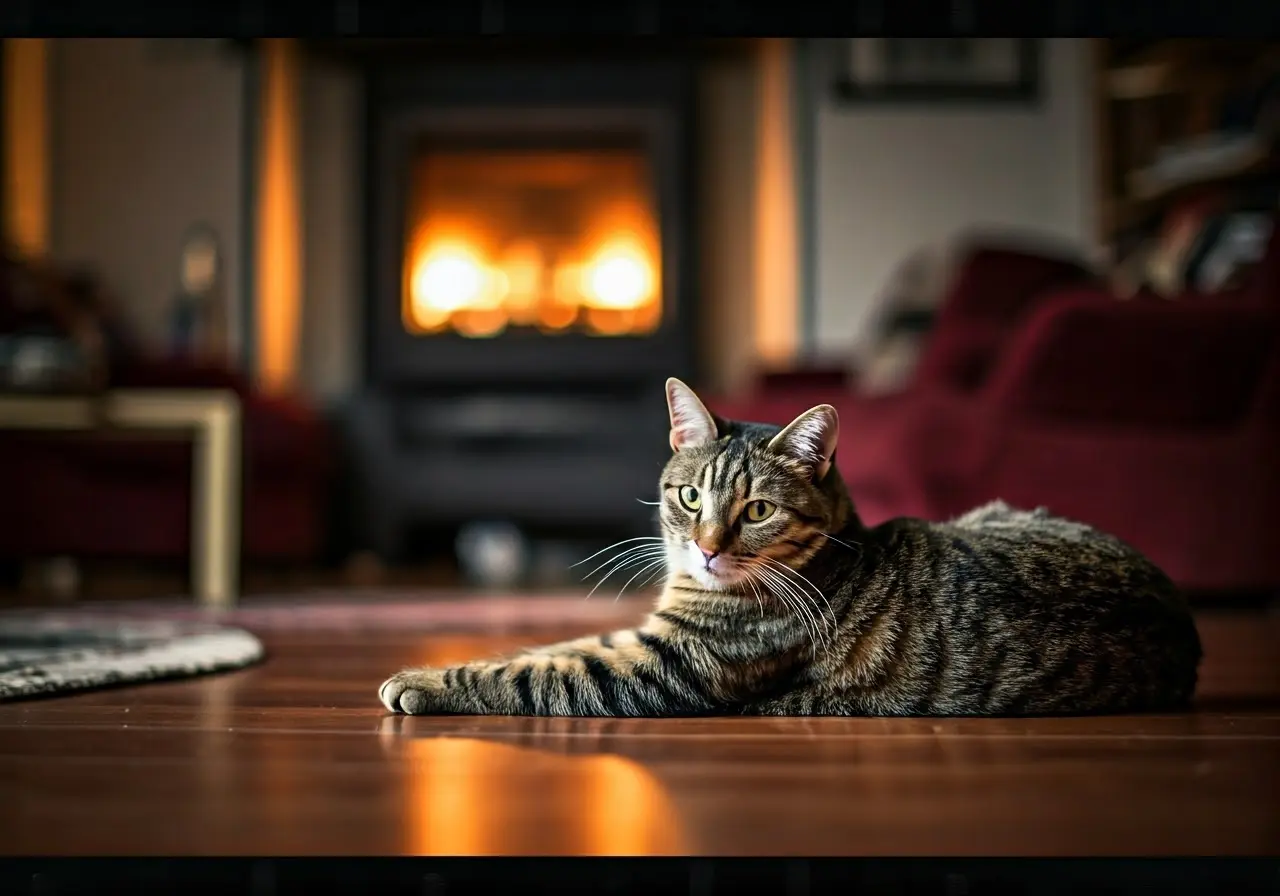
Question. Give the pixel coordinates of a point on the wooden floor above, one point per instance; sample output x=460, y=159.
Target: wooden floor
x=296, y=757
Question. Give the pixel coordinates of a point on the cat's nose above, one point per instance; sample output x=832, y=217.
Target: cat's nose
x=708, y=555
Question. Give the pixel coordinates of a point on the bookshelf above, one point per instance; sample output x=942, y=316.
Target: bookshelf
x=1174, y=120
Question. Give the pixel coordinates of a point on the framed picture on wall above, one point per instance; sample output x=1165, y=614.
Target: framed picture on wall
x=938, y=70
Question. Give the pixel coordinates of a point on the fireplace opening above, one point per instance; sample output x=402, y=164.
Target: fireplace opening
x=552, y=240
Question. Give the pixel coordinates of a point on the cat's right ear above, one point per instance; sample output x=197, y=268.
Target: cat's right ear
x=811, y=439
x=691, y=423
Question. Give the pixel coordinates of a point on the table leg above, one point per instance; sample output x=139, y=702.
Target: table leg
x=215, y=529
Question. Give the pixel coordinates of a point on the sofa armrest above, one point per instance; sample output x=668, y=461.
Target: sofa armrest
x=997, y=283
x=1141, y=363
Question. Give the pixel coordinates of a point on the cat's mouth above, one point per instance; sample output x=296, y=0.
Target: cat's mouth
x=721, y=572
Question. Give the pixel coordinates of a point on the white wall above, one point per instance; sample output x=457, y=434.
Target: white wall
x=148, y=140
x=889, y=181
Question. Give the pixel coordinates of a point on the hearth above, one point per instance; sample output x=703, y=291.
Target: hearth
x=530, y=286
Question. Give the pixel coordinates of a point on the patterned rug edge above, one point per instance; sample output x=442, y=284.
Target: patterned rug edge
x=189, y=655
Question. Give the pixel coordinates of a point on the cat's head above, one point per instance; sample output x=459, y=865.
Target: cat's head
x=737, y=499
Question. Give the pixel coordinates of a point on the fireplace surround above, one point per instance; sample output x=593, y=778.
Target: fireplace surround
x=530, y=283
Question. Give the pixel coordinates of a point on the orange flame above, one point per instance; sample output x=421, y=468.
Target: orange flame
x=475, y=266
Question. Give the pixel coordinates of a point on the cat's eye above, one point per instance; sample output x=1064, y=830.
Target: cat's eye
x=759, y=511
x=689, y=497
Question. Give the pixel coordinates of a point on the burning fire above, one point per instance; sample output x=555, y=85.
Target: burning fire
x=556, y=242
x=611, y=292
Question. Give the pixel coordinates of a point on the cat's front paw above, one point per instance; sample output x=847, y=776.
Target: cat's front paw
x=416, y=692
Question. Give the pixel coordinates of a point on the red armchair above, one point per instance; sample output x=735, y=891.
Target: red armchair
x=1155, y=422
x=1158, y=421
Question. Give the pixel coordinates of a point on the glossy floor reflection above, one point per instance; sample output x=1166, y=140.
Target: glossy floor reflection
x=296, y=757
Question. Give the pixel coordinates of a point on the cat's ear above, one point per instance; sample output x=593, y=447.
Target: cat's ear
x=811, y=439
x=691, y=423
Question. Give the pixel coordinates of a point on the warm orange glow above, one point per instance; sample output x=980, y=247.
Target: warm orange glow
x=618, y=279
x=630, y=812
x=776, y=251
x=450, y=284
x=524, y=264
x=477, y=798
x=559, y=241
x=279, y=250
x=26, y=149
x=447, y=281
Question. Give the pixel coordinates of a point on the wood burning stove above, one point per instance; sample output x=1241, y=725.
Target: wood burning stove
x=531, y=279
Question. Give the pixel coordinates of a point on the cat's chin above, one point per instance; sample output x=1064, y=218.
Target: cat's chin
x=715, y=581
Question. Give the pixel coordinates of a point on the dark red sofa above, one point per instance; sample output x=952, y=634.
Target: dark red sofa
x=1158, y=421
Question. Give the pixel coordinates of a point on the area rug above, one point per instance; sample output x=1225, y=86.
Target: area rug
x=44, y=654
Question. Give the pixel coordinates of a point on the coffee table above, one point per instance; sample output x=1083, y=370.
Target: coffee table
x=211, y=418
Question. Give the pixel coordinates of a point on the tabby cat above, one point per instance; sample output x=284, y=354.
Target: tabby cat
x=779, y=601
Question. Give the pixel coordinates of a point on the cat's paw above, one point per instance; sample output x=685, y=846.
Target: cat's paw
x=414, y=691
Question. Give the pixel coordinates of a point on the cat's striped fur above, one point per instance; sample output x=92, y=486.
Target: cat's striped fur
x=804, y=611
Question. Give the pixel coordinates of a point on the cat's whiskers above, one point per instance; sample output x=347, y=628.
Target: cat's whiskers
x=800, y=612
x=625, y=552
x=646, y=568
x=605, y=577
x=622, y=561
x=857, y=549
x=661, y=570
x=632, y=555
x=816, y=590
x=803, y=602
x=822, y=627
x=807, y=545
x=742, y=564
x=793, y=598
x=627, y=558
x=789, y=570
x=755, y=588
x=614, y=545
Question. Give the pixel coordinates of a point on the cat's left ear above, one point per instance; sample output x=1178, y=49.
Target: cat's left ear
x=811, y=439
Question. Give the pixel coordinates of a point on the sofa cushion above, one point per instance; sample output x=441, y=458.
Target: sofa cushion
x=1137, y=363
